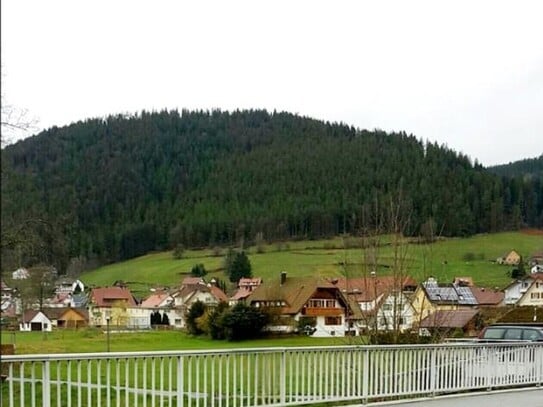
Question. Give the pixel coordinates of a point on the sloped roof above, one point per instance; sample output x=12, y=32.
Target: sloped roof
x=186, y=291
x=192, y=281
x=84, y=313
x=485, y=296
x=218, y=294
x=53, y=313
x=154, y=300
x=79, y=300
x=449, y=319
x=449, y=293
x=364, y=289
x=105, y=297
x=30, y=314
x=241, y=293
x=244, y=281
x=295, y=292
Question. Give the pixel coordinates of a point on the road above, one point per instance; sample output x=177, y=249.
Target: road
x=506, y=398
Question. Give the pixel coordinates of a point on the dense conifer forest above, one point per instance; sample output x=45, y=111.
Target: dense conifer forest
x=119, y=187
x=530, y=167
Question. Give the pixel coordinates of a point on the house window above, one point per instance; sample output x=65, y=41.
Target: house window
x=387, y=307
x=332, y=321
x=321, y=303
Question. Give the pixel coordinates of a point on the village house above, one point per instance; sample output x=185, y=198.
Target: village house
x=527, y=291
x=536, y=258
x=163, y=303
x=445, y=323
x=430, y=297
x=384, y=302
x=245, y=287
x=317, y=304
x=487, y=297
x=20, y=274
x=188, y=294
x=73, y=318
x=34, y=320
x=113, y=305
x=511, y=258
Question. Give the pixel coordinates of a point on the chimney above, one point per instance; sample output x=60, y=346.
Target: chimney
x=283, y=277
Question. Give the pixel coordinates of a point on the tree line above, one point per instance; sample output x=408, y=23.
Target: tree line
x=118, y=187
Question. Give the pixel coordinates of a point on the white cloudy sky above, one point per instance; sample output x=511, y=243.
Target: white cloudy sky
x=468, y=74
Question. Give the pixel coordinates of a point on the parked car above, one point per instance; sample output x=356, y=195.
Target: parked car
x=511, y=333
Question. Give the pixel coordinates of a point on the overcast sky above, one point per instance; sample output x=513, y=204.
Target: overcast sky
x=468, y=74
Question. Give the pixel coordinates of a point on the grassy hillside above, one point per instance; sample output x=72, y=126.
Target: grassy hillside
x=444, y=259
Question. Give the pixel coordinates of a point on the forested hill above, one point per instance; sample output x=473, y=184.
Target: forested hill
x=120, y=186
x=530, y=167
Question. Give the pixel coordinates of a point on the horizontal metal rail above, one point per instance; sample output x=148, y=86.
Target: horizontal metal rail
x=266, y=376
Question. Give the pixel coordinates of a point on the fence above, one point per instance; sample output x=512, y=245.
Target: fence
x=266, y=377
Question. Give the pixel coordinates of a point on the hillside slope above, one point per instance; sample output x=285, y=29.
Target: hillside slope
x=119, y=187
x=530, y=167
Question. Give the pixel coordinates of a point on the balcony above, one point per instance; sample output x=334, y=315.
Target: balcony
x=322, y=312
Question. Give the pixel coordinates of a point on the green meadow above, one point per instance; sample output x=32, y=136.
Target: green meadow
x=445, y=259
x=95, y=340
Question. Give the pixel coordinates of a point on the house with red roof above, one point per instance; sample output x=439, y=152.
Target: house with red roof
x=115, y=305
x=384, y=302
x=209, y=294
x=245, y=287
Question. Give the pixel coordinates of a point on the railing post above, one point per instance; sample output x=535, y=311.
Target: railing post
x=365, y=376
x=180, y=381
x=283, y=378
x=46, y=384
x=433, y=371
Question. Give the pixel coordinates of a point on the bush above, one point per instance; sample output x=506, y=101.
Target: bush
x=198, y=270
x=243, y=322
x=178, y=252
x=194, y=312
x=215, y=327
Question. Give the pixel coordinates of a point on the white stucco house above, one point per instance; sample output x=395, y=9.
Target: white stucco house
x=35, y=321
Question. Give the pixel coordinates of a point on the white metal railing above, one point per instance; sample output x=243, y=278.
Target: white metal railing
x=266, y=376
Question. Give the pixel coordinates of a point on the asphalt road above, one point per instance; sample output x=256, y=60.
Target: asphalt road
x=510, y=398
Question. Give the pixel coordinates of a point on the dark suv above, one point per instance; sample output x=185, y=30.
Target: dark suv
x=511, y=333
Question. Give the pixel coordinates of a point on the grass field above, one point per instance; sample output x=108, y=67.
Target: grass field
x=444, y=259
x=95, y=340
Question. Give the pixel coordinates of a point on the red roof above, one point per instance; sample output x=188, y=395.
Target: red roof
x=154, y=300
x=192, y=281
x=218, y=293
x=241, y=294
x=449, y=319
x=364, y=289
x=249, y=282
x=108, y=296
x=485, y=296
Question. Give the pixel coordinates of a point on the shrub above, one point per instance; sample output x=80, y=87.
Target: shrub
x=178, y=252
x=198, y=270
x=243, y=322
x=194, y=312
